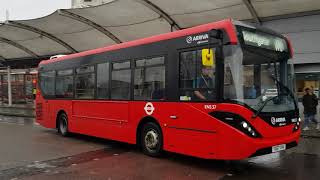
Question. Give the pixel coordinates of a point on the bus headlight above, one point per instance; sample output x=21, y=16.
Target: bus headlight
x=253, y=134
x=297, y=125
x=237, y=122
x=244, y=125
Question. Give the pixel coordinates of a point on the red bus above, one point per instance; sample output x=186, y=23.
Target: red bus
x=202, y=91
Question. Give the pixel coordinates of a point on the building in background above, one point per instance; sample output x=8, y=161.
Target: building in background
x=88, y=3
x=302, y=28
x=304, y=33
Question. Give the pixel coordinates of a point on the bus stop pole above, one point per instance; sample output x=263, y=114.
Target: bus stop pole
x=9, y=87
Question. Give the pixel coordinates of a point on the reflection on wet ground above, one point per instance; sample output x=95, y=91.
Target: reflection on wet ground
x=83, y=157
x=129, y=164
x=277, y=166
x=22, y=142
x=38, y=167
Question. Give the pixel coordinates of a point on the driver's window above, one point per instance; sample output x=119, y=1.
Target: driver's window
x=249, y=86
x=268, y=85
x=197, y=75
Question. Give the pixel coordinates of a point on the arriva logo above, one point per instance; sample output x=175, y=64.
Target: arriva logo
x=201, y=37
x=277, y=120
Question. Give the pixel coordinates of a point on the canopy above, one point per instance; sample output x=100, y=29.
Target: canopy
x=66, y=31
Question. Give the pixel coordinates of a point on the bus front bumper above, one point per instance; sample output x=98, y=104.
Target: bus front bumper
x=237, y=148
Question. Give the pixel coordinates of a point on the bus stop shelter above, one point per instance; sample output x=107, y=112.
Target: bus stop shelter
x=24, y=43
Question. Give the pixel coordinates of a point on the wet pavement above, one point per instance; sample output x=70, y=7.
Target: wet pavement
x=312, y=133
x=22, y=142
x=29, y=151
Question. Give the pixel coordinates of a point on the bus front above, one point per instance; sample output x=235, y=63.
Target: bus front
x=258, y=95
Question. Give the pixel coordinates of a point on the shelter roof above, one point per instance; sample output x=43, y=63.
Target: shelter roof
x=67, y=31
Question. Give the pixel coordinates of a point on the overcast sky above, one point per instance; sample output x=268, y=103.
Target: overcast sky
x=30, y=9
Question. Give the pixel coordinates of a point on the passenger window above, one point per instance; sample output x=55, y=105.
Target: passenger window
x=103, y=81
x=122, y=65
x=85, y=80
x=149, y=79
x=85, y=69
x=121, y=81
x=47, y=83
x=65, y=72
x=64, y=84
x=197, y=76
x=187, y=69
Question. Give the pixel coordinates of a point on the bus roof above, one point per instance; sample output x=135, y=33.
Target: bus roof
x=226, y=24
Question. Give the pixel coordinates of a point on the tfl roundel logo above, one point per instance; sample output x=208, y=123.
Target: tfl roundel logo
x=149, y=108
x=189, y=39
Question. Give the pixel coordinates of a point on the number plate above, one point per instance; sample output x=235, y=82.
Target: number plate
x=278, y=148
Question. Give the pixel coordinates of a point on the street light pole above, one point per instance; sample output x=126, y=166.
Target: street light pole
x=7, y=15
x=9, y=87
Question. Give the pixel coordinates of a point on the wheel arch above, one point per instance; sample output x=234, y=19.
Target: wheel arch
x=142, y=122
x=58, y=114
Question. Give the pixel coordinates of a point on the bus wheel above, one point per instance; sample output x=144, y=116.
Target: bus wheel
x=151, y=139
x=63, y=124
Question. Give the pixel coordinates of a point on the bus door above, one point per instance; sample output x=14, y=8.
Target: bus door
x=190, y=127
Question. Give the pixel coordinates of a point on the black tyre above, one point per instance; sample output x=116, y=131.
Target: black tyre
x=63, y=124
x=151, y=139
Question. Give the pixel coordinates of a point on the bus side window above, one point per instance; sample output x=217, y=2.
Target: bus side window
x=47, y=83
x=121, y=81
x=149, y=79
x=103, y=81
x=187, y=74
x=64, y=83
x=85, y=82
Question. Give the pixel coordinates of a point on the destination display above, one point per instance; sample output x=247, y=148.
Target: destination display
x=266, y=41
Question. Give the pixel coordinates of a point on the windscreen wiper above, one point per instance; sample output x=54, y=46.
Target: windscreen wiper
x=288, y=91
x=262, y=106
x=275, y=78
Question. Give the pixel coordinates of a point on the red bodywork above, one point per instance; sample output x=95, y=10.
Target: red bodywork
x=193, y=132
